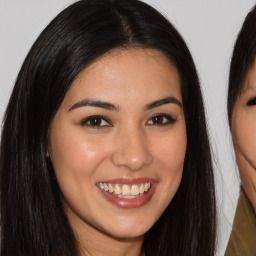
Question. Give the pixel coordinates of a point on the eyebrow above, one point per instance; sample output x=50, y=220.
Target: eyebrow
x=110, y=106
x=248, y=87
x=163, y=101
x=95, y=103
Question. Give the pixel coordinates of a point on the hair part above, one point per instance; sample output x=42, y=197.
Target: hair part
x=33, y=221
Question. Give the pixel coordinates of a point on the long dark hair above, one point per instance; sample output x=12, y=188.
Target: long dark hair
x=32, y=217
x=243, y=58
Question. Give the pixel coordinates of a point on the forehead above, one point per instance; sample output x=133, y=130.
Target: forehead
x=131, y=73
x=123, y=60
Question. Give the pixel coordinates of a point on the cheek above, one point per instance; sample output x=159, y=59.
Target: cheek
x=74, y=156
x=75, y=162
x=170, y=155
x=171, y=152
x=244, y=137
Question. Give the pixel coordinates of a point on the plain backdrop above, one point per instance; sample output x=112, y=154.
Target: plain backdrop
x=209, y=28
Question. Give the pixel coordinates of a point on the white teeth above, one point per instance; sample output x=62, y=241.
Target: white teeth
x=105, y=187
x=117, y=189
x=110, y=188
x=125, y=190
x=141, y=189
x=134, y=190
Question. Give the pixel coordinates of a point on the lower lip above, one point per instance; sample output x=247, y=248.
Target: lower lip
x=129, y=203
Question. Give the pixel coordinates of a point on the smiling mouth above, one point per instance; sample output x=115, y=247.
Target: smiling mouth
x=126, y=191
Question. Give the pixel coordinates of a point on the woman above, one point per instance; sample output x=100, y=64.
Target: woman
x=241, y=112
x=104, y=145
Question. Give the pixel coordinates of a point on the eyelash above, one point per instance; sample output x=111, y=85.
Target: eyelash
x=160, y=117
x=252, y=102
x=96, y=118
x=157, y=120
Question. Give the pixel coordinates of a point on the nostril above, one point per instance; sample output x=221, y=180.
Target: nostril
x=131, y=159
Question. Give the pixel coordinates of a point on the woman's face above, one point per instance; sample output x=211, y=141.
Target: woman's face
x=118, y=142
x=244, y=134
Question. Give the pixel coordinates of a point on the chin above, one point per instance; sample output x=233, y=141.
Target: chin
x=129, y=231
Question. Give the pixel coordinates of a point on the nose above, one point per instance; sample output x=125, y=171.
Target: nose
x=131, y=150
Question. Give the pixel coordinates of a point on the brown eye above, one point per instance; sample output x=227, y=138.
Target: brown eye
x=161, y=119
x=158, y=120
x=251, y=102
x=95, y=122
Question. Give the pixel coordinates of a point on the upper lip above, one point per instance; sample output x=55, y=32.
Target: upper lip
x=129, y=181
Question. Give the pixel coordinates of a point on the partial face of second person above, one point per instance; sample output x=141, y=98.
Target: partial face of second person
x=118, y=142
x=244, y=134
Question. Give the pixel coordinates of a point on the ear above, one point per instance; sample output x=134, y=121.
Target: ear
x=48, y=151
x=48, y=147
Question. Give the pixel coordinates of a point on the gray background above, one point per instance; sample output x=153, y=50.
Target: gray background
x=208, y=27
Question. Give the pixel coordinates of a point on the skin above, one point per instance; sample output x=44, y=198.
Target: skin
x=128, y=144
x=244, y=136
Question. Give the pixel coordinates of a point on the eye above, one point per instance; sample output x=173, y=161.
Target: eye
x=251, y=102
x=161, y=119
x=95, y=122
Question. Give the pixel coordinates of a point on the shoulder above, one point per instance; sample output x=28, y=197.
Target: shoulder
x=242, y=238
